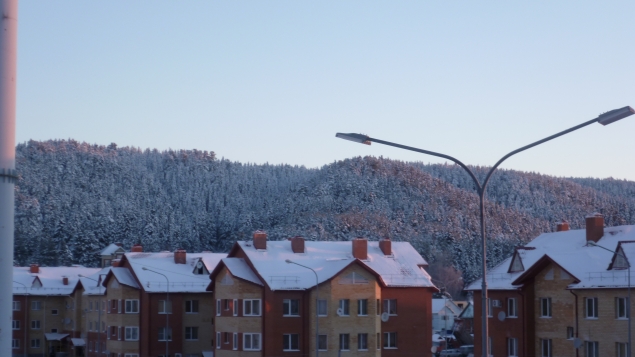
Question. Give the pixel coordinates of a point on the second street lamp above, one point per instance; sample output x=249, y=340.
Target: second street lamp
x=604, y=119
x=317, y=306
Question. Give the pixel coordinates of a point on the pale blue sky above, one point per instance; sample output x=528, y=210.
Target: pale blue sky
x=273, y=81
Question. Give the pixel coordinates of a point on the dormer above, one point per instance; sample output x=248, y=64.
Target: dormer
x=516, y=264
x=200, y=268
x=36, y=283
x=620, y=259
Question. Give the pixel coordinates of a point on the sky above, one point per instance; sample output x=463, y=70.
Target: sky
x=273, y=81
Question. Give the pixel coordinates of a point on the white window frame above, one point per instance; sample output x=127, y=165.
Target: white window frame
x=287, y=344
x=218, y=343
x=55, y=312
x=218, y=304
x=35, y=343
x=287, y=311
x=249, y=337
x=326, y=342
x=362, y=338
x=193, y=307
x=592, y=304
x=235, y=340
x=165, y=307
x=345, y=337
x=36, y=305
x=621, y=349
x=322, y=303
x=192, y=329
x=570, y=333
x=251, y=303
x=235, y=309
x=512, y=347
x=362, y=307
x=512, y=308
x=592, y=348
x=390, y=340
x=621, y=303
x=546, y=348
x=15, y=343
x=390, y=306
x=165, y=330
x=132, y=306
x=119, y=306
x=543, y=313
x=130, y=331
x=37, y=324
x=345, y=306
x=15, y=325
x=131, y=355
x=17, y=306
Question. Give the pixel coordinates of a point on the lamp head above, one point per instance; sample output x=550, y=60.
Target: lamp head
x=144, y=268
x=591, y=243
x=615, y=115
x=288, y=261
x=80, y=275
x=357, y=138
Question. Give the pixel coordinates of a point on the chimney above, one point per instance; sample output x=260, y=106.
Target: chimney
x=179, y=256
x=115, y=263
x=360, y=248
x=594, y=227
x=386, y=246
x=65, y=280
x=260, y=240
x=297, y=244
x=35, y=269
x=137, y=248
x=562, y=226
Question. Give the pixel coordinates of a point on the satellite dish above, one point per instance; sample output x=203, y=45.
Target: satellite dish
x=433, y=349
x=67, y=321
x=577, y=343
x=340, y=312
x=199, y=264
x=501, y=316
x=385, y=317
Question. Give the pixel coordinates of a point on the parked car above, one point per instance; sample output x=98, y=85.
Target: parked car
x=454, y=352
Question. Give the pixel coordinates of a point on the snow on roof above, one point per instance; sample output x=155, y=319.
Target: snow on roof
x=90, y=282
x=569, y=249
x=401, y=269
x=124, y=276
x=239, y=268
x=51, y=279
x=111, y=249
x=440, y=304
x=181, y=277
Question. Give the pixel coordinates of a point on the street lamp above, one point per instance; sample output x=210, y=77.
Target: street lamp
x=99, y=331
x=317, y=303
x=628, y=308
x=604, y=119
x=26, y=311
x=167, y=313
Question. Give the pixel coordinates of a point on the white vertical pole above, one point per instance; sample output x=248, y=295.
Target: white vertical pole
x=8, y=59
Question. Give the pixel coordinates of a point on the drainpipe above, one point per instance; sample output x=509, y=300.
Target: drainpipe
x=522, y=297
x=577, y=350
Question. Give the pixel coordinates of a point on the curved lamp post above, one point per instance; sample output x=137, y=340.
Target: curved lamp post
x=604, y=119
x=167, y=313
x=628, y=307
x=317, y=303
x=99, y=331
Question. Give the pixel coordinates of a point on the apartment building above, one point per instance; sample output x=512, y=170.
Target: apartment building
x=562, y=294
x=46, y=313
x=372, y=299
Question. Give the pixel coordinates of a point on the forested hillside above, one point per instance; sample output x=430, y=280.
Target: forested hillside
x=74, y=198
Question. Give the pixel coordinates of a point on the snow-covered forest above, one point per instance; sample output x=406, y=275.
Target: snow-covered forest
x=74, y=198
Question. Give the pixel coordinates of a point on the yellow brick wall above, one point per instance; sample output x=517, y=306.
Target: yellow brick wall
x=117, y=291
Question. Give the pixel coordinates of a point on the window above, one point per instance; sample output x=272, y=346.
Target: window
x=226, y=304
x=290, y=307
x=90, y=306
x=569, y=333
x=235, y=346
x=35, y=324
x=191, y=306
x=378, y=340
x=36, y=305
x=512, y=309
x=35, y=343
x=16, y=324
x=15, y=343
x=362, y=342
x=16, y=306
x=592, y=348
x=132, y=333
x=53, y=330
x=165, y=334
x=362, y=307
x=620, y=349
x=378, y=308
x=390, y=306
x=353, y=278
x=344, y=307
x=217, y=339
x=591, y=308
x=251, y=307
x=251, y=342
x=132, y=306
x=512, y=347
x=322, y=308
x=290, y=342
x=54, y=312
x=165, y=307
x=322, y=342
x=545, y=348
x=235, y=307
x=344, y=339
x=390, y=340
x=621, y=308
x=191, y=333
x=545, y=307
x=217, y=307
x=226, y=338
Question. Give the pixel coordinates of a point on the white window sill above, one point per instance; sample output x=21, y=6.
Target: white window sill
x=622, y=318
x=512, y=317
x=250, y=350
x=291, y=316
x=252, y=316
x=290, y=350
x=545, y=317
x=390, y=348
x=591, y=318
